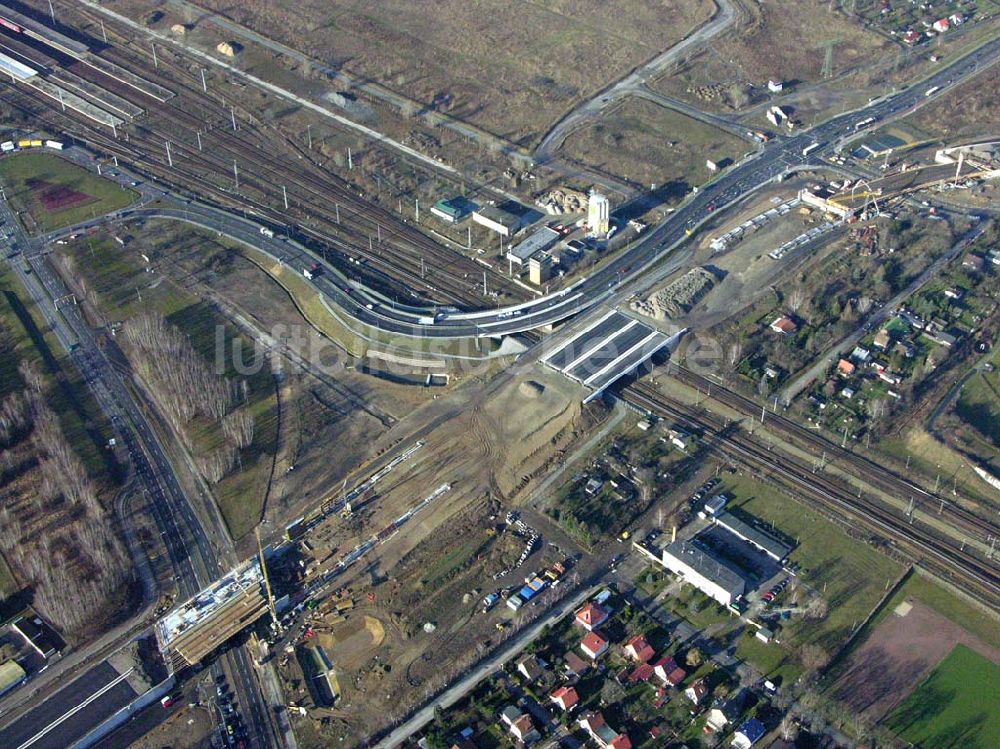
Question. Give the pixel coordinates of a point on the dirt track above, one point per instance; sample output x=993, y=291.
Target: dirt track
x=897, y=656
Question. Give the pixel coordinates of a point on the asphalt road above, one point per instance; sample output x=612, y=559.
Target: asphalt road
x=732, y=185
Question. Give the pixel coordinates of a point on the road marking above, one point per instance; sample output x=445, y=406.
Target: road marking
x=76, y=709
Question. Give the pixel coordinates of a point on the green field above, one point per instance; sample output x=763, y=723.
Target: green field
x=958, y=705
x=26, y=176
x=849, y=574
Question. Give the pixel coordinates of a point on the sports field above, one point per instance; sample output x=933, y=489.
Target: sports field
x=958, y=705
x=52, y=193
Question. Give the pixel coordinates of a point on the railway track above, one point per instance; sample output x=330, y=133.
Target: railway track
x=939, y=556
x=401, y=257
x=872, y=473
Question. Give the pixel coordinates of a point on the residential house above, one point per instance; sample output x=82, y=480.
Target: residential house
x=641, y=673
x=911, y=37
x=524, y=730
x=509, y=714
x=639, y=649
x=464, y=742
x=940, y=337
x=860, y=354
x=845, y=367
x=530, y=668
x=591, y=616
x=882, y=339
x=908, y=350
x=697, y=692
x=726, y=713
x=891, y=377
x=847, y=393
x=565, y=697
x=973, y=263
x=603, y=735
x=954, y=293
x=594, y=645
x=941, y=25
x=667, y=670
x=574, y=665
x=749, y=733
x=784, y=325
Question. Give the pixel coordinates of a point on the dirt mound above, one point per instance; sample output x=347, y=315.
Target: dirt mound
x=679, y=297
x=530, y=389
x=350, y=644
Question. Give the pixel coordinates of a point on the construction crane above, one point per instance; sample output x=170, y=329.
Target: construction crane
x=267, y=582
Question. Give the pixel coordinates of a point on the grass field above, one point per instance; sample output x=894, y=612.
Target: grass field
x=54, y=193
x=958, y=705
x=849, y=574
x=646, y=143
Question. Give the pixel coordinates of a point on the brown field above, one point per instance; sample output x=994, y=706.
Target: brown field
x=642, y=142
x=510, y=67
x=897, y=656
x=970, y=111
x=786, y=41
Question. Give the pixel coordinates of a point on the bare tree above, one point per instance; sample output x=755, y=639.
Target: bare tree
x=238, y=428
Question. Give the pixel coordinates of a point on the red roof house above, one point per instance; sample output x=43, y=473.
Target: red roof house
x=604, y=735
x=642, y=672
x=565, y=697
x=784, y=326
x=845, y=367
x=639, y=649
x=669, y=672
x=594, y=645
x=591, y=616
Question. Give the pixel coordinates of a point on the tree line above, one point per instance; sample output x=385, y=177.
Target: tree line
x=186, y=388
x=55, y=533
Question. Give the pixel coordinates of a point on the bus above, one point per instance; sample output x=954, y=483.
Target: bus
x=809, y=149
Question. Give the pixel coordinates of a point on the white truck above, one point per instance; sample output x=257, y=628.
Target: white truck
x=267, y=232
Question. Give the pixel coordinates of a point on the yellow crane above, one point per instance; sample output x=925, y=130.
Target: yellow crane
x=267, y=581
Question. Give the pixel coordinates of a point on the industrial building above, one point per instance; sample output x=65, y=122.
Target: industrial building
x=540, y=268
x=199, y=625
x=598, y=214
x=821, y=199
x=711, y=574
x=756, y=537
x=539, y=241
x=496, y=219
x=453, y=210
x=39, y=636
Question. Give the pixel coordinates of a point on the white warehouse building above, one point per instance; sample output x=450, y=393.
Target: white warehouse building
x=712, y=575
